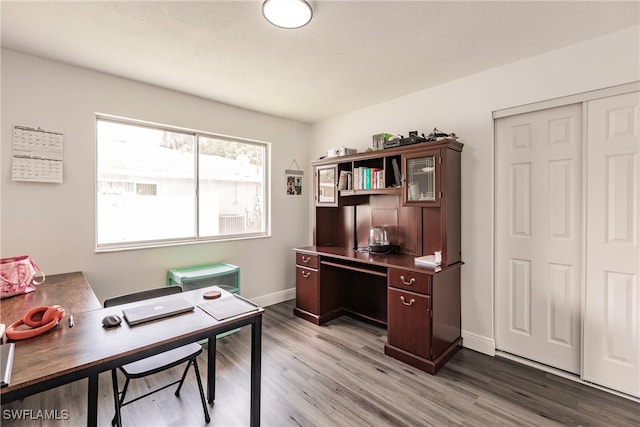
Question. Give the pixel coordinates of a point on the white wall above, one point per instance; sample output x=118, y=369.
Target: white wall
x=55, y=222
x=465, y=107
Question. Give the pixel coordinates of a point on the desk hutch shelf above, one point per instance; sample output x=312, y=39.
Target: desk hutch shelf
x=413, y=191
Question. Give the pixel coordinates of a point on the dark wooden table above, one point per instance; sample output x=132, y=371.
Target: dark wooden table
x=65, y=354
x=70, y=290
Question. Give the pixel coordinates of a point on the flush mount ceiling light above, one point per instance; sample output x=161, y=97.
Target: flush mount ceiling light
x=287, y=13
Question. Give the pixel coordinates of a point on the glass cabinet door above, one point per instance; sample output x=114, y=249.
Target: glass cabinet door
x=422, y=187
x=326, y=187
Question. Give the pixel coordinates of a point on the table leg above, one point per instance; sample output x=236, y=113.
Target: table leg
x=116, y=398
x=211, y=369
x=256, y=367
x=92, y=399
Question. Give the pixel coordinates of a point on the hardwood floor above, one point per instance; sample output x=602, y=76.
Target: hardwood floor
x=338, y=375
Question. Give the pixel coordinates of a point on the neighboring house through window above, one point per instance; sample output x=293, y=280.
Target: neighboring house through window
x=159, y=185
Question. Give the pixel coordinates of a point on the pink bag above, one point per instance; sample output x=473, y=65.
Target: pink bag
x=18, y=275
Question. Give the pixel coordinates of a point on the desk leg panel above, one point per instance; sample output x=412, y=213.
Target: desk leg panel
x=256, y=367
x=92, y=399
x=211, y=369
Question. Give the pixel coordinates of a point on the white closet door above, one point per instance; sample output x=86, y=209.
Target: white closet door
x=538, y=235
x=612, y=300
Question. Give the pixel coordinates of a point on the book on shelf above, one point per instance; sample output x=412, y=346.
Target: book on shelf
x=343, y=180
x=396, y=173
x=366, y=178
x=377, y=178
x=362, y=180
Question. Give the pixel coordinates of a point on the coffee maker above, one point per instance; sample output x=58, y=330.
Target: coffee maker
x=379, y=240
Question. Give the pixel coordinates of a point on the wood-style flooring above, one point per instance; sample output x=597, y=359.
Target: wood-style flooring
x=338, y=375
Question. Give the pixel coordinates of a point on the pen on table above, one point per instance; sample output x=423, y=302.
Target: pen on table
x=71, y=321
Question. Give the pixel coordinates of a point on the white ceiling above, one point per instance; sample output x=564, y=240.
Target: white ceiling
x=353, y=54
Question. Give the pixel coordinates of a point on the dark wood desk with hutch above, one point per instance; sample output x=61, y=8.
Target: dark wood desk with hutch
x=419, y=305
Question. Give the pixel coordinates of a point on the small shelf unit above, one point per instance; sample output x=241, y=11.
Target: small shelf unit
x=225, y=276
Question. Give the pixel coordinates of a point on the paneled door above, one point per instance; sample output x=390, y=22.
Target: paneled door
x=538, y=236
x=612, y=297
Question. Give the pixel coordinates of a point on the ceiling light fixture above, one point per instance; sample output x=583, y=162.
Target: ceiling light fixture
x=287, y=13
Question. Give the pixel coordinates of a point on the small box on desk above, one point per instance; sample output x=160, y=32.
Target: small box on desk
x=226, y=276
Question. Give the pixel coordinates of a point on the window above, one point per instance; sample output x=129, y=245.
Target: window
x=158, y=185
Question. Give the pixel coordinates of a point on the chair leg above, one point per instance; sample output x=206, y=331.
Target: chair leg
x=116, y=399
x=184, y=375
x=122, y=395
x=202, y=398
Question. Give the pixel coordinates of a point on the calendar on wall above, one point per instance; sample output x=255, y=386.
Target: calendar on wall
x=37, y=155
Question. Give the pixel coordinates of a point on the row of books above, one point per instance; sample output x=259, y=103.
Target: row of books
x=361, y=178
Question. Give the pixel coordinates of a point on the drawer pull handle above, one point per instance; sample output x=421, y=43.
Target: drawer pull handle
x=306, y=274
x=411, y=301
x=306, y=259
x=409, y=283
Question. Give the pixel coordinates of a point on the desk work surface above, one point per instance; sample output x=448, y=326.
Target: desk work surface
x=87, y=345
x=70, y=290
x=404, y=261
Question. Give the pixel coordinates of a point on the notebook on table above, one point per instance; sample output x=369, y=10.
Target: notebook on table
x=159, y=310
x=224, y=308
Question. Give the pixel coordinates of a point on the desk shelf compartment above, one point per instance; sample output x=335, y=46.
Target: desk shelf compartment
x=225, y=276
x=365, y=296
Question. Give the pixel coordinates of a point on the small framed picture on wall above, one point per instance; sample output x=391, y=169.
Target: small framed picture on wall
x=294, y=182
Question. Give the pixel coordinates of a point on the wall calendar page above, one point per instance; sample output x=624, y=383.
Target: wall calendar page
x=37, y=155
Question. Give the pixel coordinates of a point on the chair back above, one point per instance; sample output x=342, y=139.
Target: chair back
x=142, y=295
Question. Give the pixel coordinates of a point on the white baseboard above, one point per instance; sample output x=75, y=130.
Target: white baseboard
x=478, y=343
x=563, y=374
x=275, y=298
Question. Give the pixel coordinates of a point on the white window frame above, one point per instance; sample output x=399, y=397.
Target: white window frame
x=196, y=239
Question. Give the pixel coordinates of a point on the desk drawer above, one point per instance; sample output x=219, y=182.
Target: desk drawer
x=409, y=280
x=306, y=260
x=307, y=289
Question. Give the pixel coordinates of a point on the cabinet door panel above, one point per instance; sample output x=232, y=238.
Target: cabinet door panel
x=421, y=178
x=409, y=322
x=326, y=185
x=307, y=289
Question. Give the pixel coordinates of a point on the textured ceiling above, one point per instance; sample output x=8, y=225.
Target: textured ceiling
x=353, y=54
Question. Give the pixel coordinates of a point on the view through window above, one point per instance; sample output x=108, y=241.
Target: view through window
x=160, y=185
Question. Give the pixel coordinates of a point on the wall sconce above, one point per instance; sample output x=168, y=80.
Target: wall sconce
x=287, y=13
